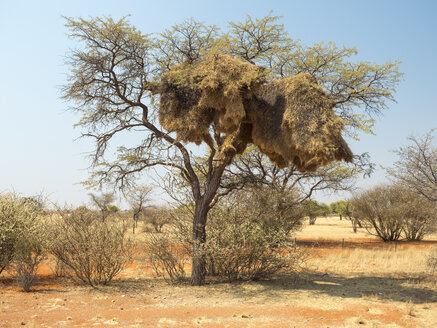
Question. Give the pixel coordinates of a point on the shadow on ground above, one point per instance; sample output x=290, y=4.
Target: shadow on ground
x=374, y=288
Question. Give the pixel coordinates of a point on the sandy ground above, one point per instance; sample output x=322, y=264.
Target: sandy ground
x=328, y=294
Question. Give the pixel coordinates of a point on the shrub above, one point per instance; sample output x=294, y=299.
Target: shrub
x=158, y=218
x=94, y=250
x=418, y=214
x=239, y=246
x=248, y=237
x=392, y=211
x=167, y=258
x=21, y=238
x=29, y=253
x=376, y=211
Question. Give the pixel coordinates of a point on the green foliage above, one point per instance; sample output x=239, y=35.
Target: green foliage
x=339, y=207
x=94, y=250
x=313, y=209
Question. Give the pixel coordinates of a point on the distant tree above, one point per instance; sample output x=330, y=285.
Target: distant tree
x=351, y=215
x=158, y=217
x=393, y=211
x=339, y=208
x=416, y=167
x=139, y=199
x=376, y=210
x=313, y=209
x=194, y=84
x=103, y=203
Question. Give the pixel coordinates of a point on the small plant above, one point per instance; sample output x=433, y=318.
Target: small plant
x=410, y=308
x=94, y=250
x=432, y=261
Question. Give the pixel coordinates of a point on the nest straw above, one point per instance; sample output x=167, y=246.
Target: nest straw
x=291, y=120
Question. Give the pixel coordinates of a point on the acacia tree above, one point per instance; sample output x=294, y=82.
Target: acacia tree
x=339, y=207
x=416, y=167
x=192, y=83
x=104, y=203
x=313, y=209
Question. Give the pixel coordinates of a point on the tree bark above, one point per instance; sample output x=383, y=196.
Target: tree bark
x=199, y=237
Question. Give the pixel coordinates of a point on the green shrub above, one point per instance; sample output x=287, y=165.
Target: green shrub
x=95, y=251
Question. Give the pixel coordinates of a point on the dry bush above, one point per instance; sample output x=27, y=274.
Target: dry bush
x=94, y=250
x=28, y=255
x=17, y=219
x=392, y=211
x=248, y=237
x=21, y=238
x=376, y=211
x=167, y=258
x=240, y=248
x=418, y=214
x=157, y=218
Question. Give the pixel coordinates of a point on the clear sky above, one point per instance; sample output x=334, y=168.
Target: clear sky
x=38, y=151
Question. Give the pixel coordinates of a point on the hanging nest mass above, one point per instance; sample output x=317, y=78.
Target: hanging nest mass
x=294, y=122
x=193, y=96
x=291, y=120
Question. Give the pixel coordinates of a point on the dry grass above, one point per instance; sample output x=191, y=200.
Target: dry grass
x=331, y=228
x=390, y=261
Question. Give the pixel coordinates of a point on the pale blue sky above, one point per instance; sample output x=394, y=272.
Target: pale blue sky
x=38, y=151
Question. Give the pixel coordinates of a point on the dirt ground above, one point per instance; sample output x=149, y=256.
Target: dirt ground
x=347, y=284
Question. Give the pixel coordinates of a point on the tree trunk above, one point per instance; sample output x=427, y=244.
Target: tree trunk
x=199, y=237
